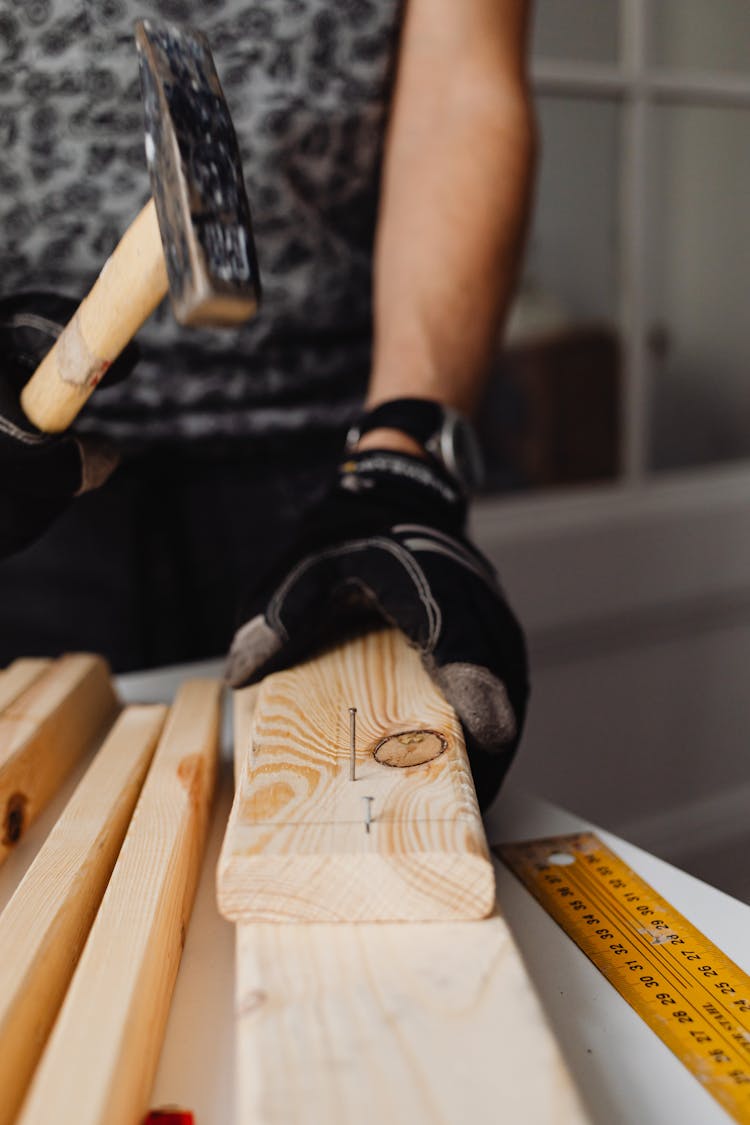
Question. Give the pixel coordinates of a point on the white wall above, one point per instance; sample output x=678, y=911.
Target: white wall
x=637, y=607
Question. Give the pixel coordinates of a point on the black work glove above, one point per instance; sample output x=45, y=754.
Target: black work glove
x=387, y=545
x=41, y=473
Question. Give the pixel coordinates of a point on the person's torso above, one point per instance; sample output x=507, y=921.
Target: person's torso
x=307, y=82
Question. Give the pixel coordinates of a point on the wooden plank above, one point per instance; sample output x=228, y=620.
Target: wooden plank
x=44, y=732
x=45, y=924
x=411, y=1024
x=18, y=676
x=406, y=1023
x=297, y=848
x=102, y=1054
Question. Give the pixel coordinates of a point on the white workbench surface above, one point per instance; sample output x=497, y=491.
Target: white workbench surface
x=625, y=1075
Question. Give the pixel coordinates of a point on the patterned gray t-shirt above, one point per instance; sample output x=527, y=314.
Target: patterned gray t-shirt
x=308, y=84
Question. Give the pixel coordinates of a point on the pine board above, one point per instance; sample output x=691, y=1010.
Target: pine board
x=410, y=1024
x=44, y=926
x=18, y=676
x=405, y=1023
x=296, y=847
x=102, y=1054
x=43, y=733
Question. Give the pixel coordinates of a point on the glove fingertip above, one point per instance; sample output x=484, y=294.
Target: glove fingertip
x=253, y=646
x=481, y=701
x=99, y=459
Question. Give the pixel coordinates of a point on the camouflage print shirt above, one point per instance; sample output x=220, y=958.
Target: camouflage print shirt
x=308, y=84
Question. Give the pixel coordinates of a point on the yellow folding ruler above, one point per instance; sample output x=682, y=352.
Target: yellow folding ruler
x=687, y=991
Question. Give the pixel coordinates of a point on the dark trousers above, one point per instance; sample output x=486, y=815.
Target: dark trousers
x=152, y=568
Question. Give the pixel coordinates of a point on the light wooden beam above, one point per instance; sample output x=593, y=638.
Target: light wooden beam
x=297, y=846
x=45, y=924
x=102, y=1054
x=411, y=1024
x=43, y=733
x=18, y=676
x=407, y=1024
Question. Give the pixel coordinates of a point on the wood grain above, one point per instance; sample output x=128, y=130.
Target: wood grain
x=44, y=926
x=296, y=847
x=43, y=733
x=18, y=676
x=411, y=1024
x=243, y=708
x=102, y=1054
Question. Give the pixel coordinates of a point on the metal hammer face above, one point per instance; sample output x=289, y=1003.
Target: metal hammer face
x=196, y=179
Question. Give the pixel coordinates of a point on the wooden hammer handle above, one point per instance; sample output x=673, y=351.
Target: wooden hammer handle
x=126, y=292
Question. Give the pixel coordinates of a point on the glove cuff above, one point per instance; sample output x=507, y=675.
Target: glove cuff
x=405, y=481
x=447, y=436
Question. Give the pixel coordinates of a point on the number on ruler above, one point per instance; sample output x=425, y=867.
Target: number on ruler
x=690, y=1038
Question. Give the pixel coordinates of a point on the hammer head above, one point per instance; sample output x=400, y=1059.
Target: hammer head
x=196, y=179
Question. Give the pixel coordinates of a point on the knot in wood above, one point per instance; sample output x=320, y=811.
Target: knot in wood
x=410, y=748
x=15, y=818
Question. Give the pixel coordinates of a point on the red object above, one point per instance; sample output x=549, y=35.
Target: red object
x=169, y=1117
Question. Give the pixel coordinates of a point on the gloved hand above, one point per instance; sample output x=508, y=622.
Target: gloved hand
x=387, y=545
x=40, y=473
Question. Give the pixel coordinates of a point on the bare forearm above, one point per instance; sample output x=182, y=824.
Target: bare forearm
x=454, y=200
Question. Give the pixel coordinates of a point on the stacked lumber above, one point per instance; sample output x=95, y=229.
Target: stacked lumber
x=92, y=937
x=45, y=924
x=338, y=1022
x=375, y=978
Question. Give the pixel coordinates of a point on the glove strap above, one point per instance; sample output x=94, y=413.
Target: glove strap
x=445, y=435
x=420, y=418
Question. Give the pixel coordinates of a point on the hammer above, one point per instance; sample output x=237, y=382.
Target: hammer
x=193, y=237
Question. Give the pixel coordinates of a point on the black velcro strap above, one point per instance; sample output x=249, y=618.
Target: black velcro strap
x=420, y=418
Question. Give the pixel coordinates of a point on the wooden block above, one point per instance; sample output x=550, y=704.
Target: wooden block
x=44, y=926
x=296, y=847
x=102, y=1054
x=410, y=1024
x=17, y=677
x=44, y=732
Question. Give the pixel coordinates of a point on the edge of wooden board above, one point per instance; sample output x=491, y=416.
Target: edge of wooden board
x=18, y=676
x=423, y=856
x=45, y=925
x=427, y=887
x=101, y=1056
x=44, y=731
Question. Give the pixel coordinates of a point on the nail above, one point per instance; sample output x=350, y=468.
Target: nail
x=368, y=813
x=352, y=741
